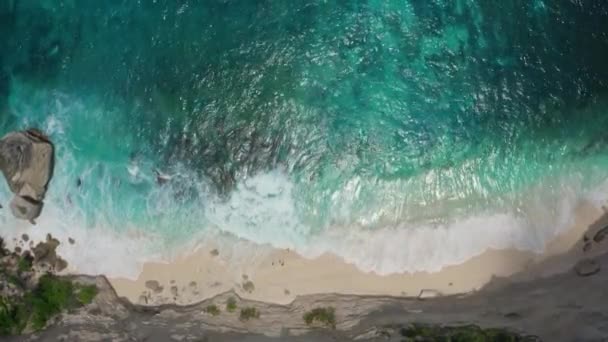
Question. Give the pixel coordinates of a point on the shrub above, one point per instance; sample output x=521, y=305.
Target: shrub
x=231, y=304
x=249, y=313
x=51, y=296
x=24, y=264
x=11, y=321
x=86, y=294
x=460, y=333
x=325, y=316
x=212, y=309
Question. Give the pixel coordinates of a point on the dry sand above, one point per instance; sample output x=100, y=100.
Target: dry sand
x=278, y=276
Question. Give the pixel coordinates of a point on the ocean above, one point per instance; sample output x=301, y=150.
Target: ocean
x=400, y=135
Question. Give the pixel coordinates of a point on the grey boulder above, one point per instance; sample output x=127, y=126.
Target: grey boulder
x=27, y=162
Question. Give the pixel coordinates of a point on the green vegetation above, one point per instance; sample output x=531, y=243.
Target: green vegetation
x=469, y=333
x=231, y=304
x=24, y=264
x=249, y=313
x=325, y=316
x=51, y=296
x=11, y=318
x=212, y=309
x=86, y=293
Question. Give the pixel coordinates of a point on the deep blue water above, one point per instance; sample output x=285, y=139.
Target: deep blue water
x=384, y=131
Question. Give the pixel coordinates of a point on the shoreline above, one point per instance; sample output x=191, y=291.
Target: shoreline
x=279, y=276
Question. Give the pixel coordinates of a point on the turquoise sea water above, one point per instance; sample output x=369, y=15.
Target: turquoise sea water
x=400, y=135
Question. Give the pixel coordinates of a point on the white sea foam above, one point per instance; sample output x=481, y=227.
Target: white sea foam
x=262, y=209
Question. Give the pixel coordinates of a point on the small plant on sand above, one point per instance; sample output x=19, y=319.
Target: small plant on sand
x=231, y=304
x=325, y=316
x=249, y=313
x=212, y=310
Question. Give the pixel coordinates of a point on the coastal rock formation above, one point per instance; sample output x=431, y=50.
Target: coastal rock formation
x=522, y=307
x=27, y=161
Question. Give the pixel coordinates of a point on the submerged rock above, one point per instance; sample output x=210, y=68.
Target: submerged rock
x=27, y=161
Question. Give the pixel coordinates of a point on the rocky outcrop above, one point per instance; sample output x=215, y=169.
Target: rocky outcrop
x=27, y=161
x=563, y=307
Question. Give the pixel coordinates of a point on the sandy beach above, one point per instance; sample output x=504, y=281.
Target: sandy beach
x=278, y=276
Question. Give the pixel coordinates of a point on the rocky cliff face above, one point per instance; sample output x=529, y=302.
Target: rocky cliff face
x=562, y=307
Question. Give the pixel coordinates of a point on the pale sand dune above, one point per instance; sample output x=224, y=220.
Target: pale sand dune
x=279, y=276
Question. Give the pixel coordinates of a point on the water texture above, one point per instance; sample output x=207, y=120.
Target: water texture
x=400, y=135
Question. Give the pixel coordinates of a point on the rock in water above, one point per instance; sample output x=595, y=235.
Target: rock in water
x=27, y=161
x=25, y=209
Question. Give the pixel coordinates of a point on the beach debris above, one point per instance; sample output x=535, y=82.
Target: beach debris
x=25, y=237
x=174, y=291
x=245, y=277
x=587, y=267
x=71, y=241
x=193, y=285
x=248, y=286
x=286, y=292
x=214, y=252
x=154, y=286
x=601, y=234
x=428, y=293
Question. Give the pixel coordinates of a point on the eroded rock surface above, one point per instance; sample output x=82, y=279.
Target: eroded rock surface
x=575, y=306
x=27, y=162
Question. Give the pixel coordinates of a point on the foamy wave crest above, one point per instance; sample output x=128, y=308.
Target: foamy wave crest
x=120, y=218
x=262, y=210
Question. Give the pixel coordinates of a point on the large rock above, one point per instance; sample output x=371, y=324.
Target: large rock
x=27, y=161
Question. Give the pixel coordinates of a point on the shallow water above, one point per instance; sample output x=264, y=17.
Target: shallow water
x=400, y=135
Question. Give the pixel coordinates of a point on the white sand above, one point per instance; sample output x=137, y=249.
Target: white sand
x=280, y=275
